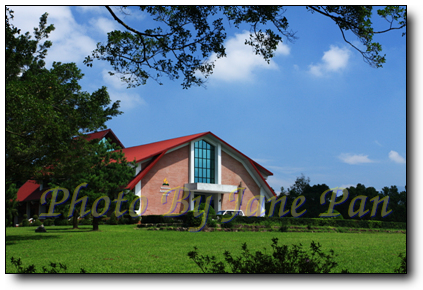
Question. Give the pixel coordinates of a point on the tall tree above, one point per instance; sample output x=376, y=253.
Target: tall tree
x=105, y=173
x=11, y=203
x=46, y=108
x=186, y=36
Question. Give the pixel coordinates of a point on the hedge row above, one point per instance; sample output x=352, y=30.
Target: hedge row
x=291, y=221
x=323, y=222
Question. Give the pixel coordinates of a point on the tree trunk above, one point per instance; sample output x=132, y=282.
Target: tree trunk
x=95, y=223
x=75, y=219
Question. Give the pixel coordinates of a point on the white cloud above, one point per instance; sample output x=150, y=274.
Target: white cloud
x=92, y=9
x=333, y=60
x=113, y=81
x=378, y=143
x=70, y=42
x=118, y=91
x=241, y=62
x=103, y=25
x=354, y=158
x=394, y=156
x=261, y=160
x=276, y=183
x=285, y=169
x=128, y=101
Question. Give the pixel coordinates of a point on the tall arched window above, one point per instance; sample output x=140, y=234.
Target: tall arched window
x=203, y=162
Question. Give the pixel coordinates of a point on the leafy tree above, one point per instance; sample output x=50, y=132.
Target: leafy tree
x=46, y=109
x=186, y=36
x=106, y=172
x=312, y=203
x=11, y=204
x=397, y=203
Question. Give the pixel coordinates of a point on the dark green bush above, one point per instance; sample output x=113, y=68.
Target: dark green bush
x=61, y=222
x=25, y=222
x=402, y=269
x=113, y=219
x=85, y=222
x=133, y=220
x=190, y=220
x=211, y=223
x=35, y=217
x=284, y=259
x=48, y=222
x=284, y=226
x=211, y=209
x=55, y=268
x=227, y=225
x=157, y=219
x=322, y=222
x=129, y=220
x=36, y=223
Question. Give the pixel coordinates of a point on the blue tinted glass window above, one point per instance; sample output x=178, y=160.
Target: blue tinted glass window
x=204, y=162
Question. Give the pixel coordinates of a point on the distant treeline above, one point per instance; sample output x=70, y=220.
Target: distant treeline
x=312, y=204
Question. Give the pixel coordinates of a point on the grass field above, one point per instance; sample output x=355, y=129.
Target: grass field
x=126, y=249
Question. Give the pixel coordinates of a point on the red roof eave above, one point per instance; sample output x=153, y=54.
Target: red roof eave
x=142, y=173
x=262, y=178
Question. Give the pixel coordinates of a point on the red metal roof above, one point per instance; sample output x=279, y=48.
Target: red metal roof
x=158, y=149
x=142, y=152
x=30, y=190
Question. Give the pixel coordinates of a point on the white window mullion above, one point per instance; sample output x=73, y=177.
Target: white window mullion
x=218, y=167
x=191, y=163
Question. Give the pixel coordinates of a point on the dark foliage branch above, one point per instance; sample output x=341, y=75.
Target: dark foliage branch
x=186, y=36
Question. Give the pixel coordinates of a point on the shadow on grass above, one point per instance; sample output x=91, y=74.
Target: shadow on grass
x=69, y=230
x=15, y=239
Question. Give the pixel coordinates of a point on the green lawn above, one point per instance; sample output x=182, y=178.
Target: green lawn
x=125, y=249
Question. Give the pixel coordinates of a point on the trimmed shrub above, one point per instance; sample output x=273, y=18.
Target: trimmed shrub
x=228, y=225
x=212, y=212
x=320, y=222
x=157, y=219
x=190, y=220
x=129, y=220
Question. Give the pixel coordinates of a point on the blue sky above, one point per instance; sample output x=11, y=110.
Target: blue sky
x=317, y=109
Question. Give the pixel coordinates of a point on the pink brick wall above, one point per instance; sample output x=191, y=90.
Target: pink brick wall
x=233, y=172
x=173, y=166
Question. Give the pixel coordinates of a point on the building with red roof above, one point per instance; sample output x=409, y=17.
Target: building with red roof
x=171, y=174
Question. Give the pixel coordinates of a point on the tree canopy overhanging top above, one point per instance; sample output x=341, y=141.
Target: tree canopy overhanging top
x=186, y=36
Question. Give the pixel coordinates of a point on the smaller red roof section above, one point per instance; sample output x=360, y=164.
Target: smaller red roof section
x=102, y=134
x=30, y=191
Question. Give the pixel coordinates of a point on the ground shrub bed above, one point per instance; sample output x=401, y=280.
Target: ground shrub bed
x=346, y=223
x=129, y=249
